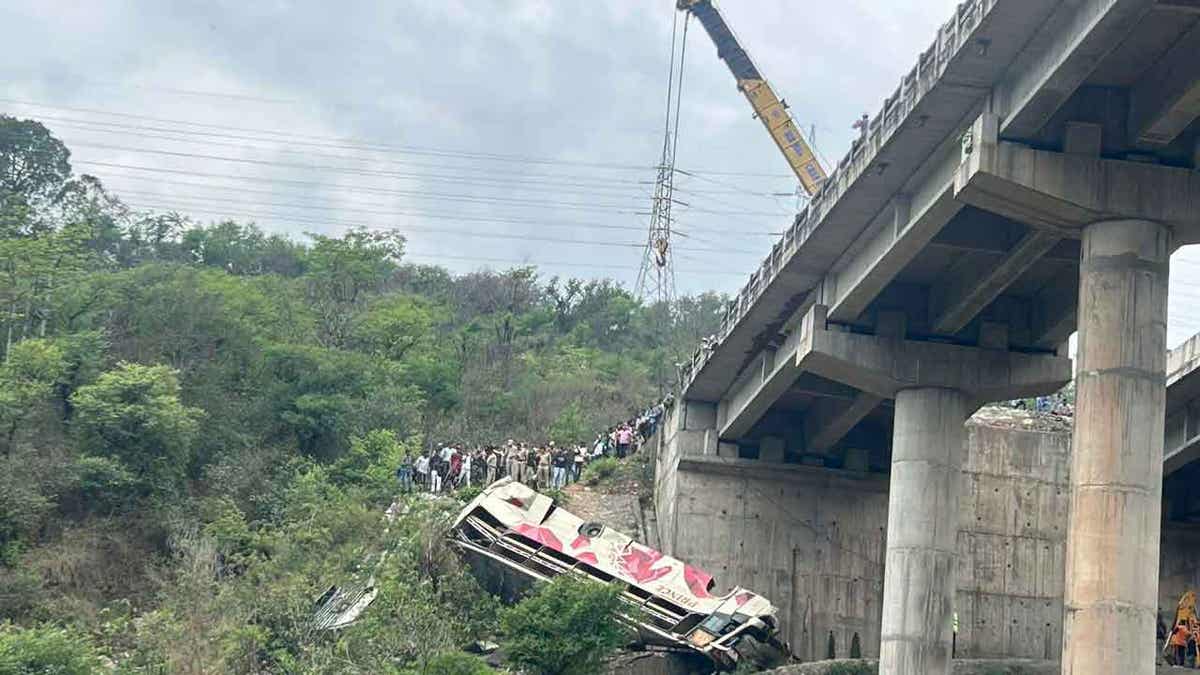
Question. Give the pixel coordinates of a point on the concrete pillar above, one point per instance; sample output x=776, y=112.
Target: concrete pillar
x=928, y=438
x=1116, y=467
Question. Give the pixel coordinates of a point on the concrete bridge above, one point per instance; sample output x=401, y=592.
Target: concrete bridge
x=1029, y=178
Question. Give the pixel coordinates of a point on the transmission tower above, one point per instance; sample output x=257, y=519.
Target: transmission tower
x=656, y=277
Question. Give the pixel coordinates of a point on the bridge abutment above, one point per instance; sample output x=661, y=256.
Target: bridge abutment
x=1116, y=473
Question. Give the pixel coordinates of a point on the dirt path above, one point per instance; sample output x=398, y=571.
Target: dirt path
x=614, y=504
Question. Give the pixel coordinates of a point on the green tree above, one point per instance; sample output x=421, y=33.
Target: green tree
x=343, y=273
x=566, y=627
x=571, y=425
x=396, y=326
x=27, y=381
x=33, y=163
x=371, y=461
x=133, y=413
x=322, y=397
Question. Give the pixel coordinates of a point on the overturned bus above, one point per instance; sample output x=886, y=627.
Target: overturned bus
x=514, y=537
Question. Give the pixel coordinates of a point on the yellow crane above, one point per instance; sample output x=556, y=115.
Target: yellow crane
x=768, y=107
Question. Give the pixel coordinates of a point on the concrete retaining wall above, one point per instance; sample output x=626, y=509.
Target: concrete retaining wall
x=812, y=539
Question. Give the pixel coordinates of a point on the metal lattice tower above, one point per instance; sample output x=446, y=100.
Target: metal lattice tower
x=656, y=277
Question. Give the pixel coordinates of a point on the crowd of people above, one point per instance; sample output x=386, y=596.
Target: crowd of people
x=542, y=466
x=1054, y=404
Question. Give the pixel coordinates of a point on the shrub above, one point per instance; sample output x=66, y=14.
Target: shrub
x=48, y=650
x=566, y=627
x=451, y=663
x=134, y=415
x=560, y=497
x=102, y=483
x=600, y=470
x=466, y=494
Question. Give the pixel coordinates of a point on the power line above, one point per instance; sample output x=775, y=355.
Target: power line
x=339, y=187
x=442, y=215
x=221, y=213
x=488, y=177
x=539, y=182
x=413, y=193
x=564, y=263
x=295, y=137
x=491, y=176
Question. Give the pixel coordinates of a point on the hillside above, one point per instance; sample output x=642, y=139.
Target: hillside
x=199, y=422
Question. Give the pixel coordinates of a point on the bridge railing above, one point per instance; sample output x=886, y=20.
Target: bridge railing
x=896, y=109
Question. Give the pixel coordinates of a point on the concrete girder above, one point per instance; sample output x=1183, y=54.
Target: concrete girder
x=880, y=253
x=830, y=421
x=1063, y=192
x=1186, y=450
x=969, y=289
x=1163, y=103
x=997, y=240
x=1059, y=58
x=760, y=385
x=1182, y=437
x=1053, y=310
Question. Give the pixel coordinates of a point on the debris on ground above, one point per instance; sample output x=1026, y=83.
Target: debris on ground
x=1008, y=417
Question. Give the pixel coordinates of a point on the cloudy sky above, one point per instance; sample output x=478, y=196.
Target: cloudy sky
x=490, y=132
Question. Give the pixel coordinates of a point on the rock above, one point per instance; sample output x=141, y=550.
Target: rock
x=483, y=647
x=655, y=663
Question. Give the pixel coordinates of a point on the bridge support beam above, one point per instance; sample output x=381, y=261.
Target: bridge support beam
x=1116, y=467
x=919, y=584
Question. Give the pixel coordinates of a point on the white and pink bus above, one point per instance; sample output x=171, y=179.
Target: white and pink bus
x=514, y=536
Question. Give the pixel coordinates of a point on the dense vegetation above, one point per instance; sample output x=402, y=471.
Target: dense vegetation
x=198, y=424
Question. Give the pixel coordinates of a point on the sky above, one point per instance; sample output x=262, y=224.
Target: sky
x=490, y=132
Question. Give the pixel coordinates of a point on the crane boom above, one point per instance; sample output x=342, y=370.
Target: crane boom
x=768, y=108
